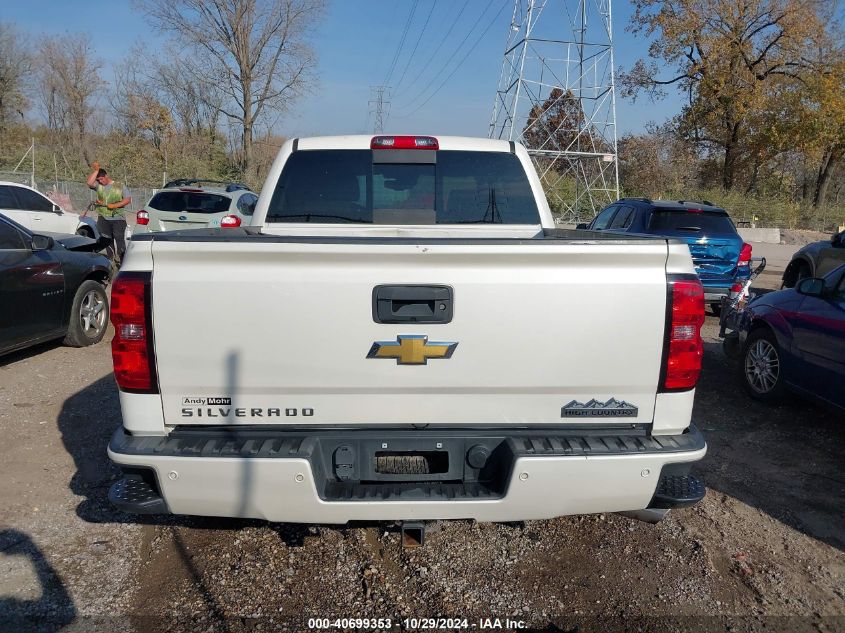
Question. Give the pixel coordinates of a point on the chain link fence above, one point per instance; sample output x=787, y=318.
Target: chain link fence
x=75, y=196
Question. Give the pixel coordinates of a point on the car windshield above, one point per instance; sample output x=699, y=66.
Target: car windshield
x=453, y=187
x=189, y=202
x=686, y=221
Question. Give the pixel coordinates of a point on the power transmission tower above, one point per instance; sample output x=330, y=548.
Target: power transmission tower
x=379, y=106
x=556, y=95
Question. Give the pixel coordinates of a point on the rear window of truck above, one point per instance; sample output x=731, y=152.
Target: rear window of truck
x=455, y=187
x=684, y=220
x=189, y=202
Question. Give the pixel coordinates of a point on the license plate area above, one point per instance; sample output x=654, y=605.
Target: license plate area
x=411, y=462
x=397, y=460
x=396, y=466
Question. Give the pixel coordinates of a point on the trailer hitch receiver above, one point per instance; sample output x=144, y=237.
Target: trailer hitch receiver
x=413, y=534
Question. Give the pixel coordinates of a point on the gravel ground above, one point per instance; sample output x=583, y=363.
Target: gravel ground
x=765, y=550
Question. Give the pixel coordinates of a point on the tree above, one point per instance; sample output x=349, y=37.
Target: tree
x=657, y=163
x=729, y=57
x=15, y=67
x=69, y=84
x=136, y=105
x=254, y=52
x=195, y=106
x=566, y=150
x=825, y=113
x=556, y=125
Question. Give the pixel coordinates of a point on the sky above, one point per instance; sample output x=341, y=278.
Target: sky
x=445, y=90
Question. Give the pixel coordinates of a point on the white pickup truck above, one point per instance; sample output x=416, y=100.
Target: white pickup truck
x=404, y=335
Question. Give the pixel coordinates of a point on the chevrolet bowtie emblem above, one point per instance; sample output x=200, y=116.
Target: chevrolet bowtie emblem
x=411, y=349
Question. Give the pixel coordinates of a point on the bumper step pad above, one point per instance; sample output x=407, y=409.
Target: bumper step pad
x=133, y=494
x=284, y=444
x=677, y=491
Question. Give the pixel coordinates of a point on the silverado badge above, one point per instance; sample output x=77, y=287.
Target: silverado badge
x=597, y=409
x=411, y=349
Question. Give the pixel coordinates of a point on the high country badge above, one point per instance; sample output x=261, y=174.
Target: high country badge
x=596, y=409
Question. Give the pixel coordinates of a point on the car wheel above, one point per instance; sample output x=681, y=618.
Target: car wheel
x=716, y=309
x=762, y=366
x=85, y=231
x=89, y=316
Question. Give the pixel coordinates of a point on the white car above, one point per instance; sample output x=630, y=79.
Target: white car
x=39, y=214
x=196, y=204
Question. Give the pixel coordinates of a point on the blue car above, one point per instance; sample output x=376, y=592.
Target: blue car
x=720, y=256
x=794, y=340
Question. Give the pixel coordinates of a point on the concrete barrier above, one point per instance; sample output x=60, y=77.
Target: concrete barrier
x=768, y=236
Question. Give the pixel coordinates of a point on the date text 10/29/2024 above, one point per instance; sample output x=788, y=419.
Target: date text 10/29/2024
x=417, y=624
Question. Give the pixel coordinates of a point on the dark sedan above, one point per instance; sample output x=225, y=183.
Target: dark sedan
x=815, y=260
x=50, y=287
x=795, y=339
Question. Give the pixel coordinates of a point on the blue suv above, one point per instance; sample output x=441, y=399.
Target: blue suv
x=720, y=256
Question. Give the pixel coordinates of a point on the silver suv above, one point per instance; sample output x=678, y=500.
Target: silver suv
x=197, y=204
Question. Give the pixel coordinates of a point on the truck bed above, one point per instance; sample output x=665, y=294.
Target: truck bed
x=543, y=327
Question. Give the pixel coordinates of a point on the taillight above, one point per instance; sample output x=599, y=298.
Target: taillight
x=744, y=255
x=132, y=345
x=404, y=142
x=230, y=222
x=683, y=346
x=735, y=290
x=142, y=218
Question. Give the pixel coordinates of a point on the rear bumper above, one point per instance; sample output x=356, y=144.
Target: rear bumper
x=715, y=293
x=720, y=286
x=304, y=477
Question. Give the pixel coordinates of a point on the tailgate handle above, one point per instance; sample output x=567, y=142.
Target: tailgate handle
x=412, y=304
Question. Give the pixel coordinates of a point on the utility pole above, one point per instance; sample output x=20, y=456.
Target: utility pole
x=379, y=106
x=557, y=96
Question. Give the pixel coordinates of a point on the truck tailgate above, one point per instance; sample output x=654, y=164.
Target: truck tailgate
x=547, y=332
